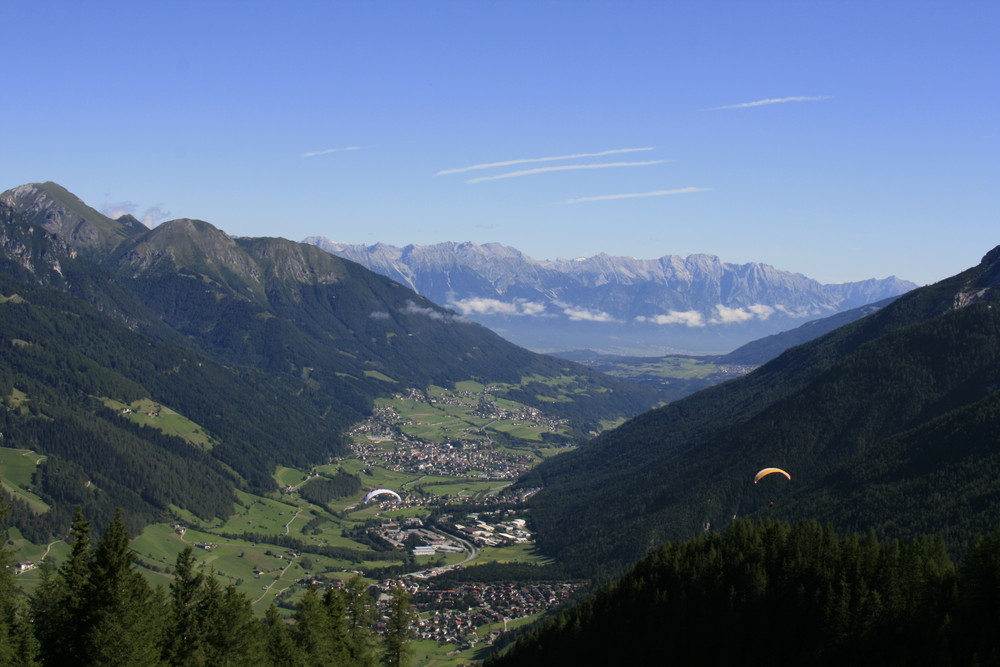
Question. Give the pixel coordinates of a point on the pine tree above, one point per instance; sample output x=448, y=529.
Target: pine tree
x=315, y=634
x=59, y=610
x=360, y=614
x=126, y=615
x=399, y=631
x=230, y=631
x=184, y=642
x=279, y=647
x=18, y=646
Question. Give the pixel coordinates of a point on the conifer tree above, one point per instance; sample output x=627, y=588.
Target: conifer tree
x=230, y=631
x=183, y=645
x=58, y=607
x=314, y=632
x=399, y=631
x=360, y=615
x=336, y=611
x=18, y=646
x=279, y=647
x=126, y=616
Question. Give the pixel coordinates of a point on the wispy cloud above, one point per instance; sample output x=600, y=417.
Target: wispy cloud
x=726, y=315
x=332, y=150
x=720, y=315
x=773, y=100
x=413, y=309
x=633, y=195
x=487, y=306
x=507, y=163
x=150, y=217
x=579, y=314
x=689, y=318
x=565, y=167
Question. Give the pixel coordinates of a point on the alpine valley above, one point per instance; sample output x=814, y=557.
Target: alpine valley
x=269, y=415
x=272, y=349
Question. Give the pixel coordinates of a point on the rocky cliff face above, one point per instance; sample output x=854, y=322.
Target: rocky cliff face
x=697, y=304
x=983, y=286
x=63, y=214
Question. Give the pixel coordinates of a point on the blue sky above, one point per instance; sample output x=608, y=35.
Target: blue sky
x=842, y=140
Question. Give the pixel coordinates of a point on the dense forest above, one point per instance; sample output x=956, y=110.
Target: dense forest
x=759, y=593
x=97, y=609
x=63, y=358
x=775, y=593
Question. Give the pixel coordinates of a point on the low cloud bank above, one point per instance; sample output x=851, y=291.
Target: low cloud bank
x=486, y=306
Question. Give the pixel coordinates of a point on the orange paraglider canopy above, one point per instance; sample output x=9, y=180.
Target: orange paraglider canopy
x=767, y=471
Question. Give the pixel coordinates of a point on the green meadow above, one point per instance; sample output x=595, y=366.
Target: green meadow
x=451, y=415
x=514, y=553
x=17, y=466
x=670, y=367
x=150, y=413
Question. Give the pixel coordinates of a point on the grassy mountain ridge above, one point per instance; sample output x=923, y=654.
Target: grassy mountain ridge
x=822, y=410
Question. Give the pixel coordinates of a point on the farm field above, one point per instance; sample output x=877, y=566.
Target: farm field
x=271, y=546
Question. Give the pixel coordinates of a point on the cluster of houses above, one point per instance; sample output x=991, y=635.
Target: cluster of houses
x=487, y=408
x=155, y=412
x=463, y=458
x=457, y=615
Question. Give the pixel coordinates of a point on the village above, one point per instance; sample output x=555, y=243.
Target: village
x=455, y=615
x=465, y=458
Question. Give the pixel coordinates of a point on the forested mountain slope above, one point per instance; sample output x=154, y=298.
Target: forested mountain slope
x=770, y=593
x=270, y=348
x=60, y=360
x=889, y=423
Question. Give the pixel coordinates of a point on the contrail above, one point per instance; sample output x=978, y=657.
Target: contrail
x=774, y=100
x=542, y=170
x=331, y=150
x=657, y=193
x=490, y=165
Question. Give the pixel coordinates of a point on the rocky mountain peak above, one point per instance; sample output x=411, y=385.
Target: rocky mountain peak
x=62, y=213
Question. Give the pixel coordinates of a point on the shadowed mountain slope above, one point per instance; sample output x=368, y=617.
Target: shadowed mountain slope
x=890, y=423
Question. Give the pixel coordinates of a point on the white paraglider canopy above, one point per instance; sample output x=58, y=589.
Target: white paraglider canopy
x=380, y=492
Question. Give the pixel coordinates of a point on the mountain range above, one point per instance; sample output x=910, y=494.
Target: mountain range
x=614, y=305
x=272, y=348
